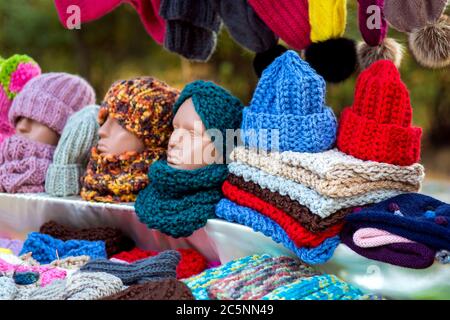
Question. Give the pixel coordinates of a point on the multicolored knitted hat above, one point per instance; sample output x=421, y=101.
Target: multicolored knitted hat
x=142, y=106
x=289, y=102
x=378, y=125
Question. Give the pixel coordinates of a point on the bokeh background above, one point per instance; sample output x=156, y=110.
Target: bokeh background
x=117, y=47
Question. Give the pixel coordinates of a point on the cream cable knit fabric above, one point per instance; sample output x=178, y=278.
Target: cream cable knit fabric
x=320, y=205
x=333, y=173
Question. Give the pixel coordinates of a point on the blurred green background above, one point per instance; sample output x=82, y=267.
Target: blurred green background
x=117, y=47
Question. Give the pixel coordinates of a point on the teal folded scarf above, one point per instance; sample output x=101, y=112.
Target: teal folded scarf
x=178, y=202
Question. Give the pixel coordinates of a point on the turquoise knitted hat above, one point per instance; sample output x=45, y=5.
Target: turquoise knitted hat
x=217, y=107
x=72, y=153
x=289, y=98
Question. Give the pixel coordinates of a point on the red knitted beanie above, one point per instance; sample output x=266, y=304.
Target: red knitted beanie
x=288, y=19
x=378, y=125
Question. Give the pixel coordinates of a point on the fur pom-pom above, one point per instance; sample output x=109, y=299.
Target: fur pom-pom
x=264, y=59
x=335, y=59
x=431, y=44
x=389, y=49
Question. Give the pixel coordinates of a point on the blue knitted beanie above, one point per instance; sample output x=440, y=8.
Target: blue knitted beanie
x=290, y=98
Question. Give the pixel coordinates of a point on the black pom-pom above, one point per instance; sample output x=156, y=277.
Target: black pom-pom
x=264, y=59
x=335, y=59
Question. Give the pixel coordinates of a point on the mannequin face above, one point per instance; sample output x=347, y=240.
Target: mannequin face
x=36, y=131
x=115, y=140
x=190, y=147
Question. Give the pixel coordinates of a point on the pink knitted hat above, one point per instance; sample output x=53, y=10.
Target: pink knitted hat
x=51, y=99
x=288, y=19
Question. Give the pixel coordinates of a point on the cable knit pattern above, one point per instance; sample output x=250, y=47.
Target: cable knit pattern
x=24, y=164
x=46, y=249
x=300, y=236
x=378, y=125
x=178, y=202
x=232, y=212
x=287, y=111
x=159, y=267
x=318, y=204
x=372, y=237
x=300, y=213
x=333, y=173
x=115, y=240
x=254, y=283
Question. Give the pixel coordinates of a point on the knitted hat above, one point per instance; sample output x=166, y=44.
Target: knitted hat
x=115, y=240
x=378, y=125
x=148, y=11
x=51, y=99
x=167, y=289
x=191, y=27
x=245, y=26
x=217, y=107
x=72, y=153
x=414, y=216
x=289, y=98
x=142, y=106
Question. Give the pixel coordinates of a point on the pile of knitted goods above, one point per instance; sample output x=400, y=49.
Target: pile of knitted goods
x=269, y=278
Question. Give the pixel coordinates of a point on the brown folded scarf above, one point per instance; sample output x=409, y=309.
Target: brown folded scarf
x=302, y=214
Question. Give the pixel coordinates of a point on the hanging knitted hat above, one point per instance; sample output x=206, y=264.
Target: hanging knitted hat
x=15, y=72
x=378, y=125
x=374, y=28
x=72, y=153
x=191, y=28
x=148, y=11
x=332, y=56
x=288, y=109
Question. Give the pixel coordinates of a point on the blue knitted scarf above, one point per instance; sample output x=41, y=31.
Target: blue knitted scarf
x=178, y=202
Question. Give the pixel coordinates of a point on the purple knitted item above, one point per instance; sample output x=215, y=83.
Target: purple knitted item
x=51, y=99
x=373, y=36
x=6, y=129
x=14, y=245
x=24, y=164
x=408, y=255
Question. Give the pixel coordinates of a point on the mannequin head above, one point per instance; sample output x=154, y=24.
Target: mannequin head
x=190, y=147
x=36, y=131
x=116, y=140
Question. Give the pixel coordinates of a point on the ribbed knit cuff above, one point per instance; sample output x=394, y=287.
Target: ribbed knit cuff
x=63, y=180
x=369, y=140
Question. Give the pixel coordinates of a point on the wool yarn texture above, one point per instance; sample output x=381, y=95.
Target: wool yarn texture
x=24, y=164
x=377, y=126
x=143, y=106
x=178, y=202
x=298, y=212
x=254, y=283
x=318, y=204
x=327, y=19
x=46, y=249
x=321, y=287
x=288, y=19
x=244, y=25
x=288, y=111
x=71, y=263
x=71, y=156
x=300, y=236
x=158, y=267
x=333, y=173
x=167, y=289
x=409, y=255
x=372, y=237
x=148, y=12
x=414, y=216
x=191, y=28
x=12, y=244
x=191, y=262
x=115, y=240
x=200, y=283
x=232, y=212
x=7, y=288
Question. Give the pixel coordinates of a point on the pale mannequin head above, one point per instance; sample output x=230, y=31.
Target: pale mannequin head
x=190, y=146
x=116, y=140
x=33, y=130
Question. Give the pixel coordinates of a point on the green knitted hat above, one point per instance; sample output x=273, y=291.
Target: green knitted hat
x=72, y=153
x=217, y=107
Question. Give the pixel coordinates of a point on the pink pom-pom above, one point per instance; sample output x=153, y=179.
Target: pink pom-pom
x=24, y=73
